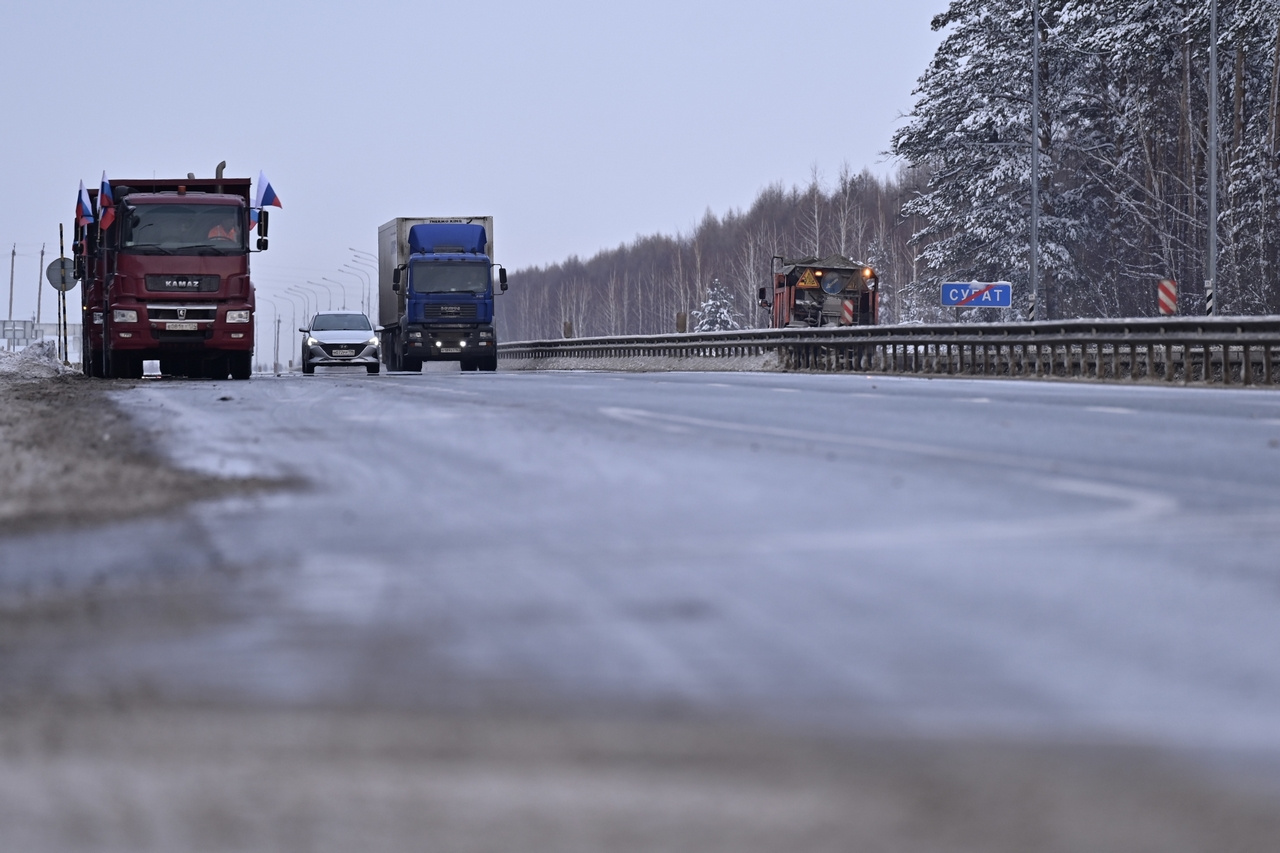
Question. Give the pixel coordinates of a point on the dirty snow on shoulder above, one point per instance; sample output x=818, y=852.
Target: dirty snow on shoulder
x=38, y=361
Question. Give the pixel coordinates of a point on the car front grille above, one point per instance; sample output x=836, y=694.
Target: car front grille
x=354, y=349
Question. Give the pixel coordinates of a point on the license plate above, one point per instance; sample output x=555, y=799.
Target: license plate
x=450, y=349
x=344, y=352
x=181, y=327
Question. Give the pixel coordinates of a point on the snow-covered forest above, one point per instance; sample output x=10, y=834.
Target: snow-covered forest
x=1122, y=173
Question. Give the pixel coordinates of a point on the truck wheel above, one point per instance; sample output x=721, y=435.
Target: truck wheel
x=411, y=365
x=372, y=368
x=468, y=365
x=94, y=367
x=490, y=364
x=241, y=365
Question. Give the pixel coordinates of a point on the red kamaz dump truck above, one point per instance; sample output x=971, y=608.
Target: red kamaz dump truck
x=167, y=279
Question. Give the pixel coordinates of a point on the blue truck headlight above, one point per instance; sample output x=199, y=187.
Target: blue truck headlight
x=238, y=316
x=119, y=316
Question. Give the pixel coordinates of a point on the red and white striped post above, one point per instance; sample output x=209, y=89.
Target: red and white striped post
x=1167, y=296
x=846, y=313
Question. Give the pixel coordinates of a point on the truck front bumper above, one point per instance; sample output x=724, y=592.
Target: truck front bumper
x=432, y=343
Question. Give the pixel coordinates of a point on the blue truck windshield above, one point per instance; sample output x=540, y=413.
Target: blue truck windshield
x=430, y=277
x=183, y=229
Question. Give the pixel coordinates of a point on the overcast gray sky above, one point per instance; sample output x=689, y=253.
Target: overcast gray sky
x=578, y=125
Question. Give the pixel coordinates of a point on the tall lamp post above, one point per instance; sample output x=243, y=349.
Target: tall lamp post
x=369, y=262
x=344, y=290
x=1211, y=276
x=328, y=292
x=306, y=297
x=1035, y=161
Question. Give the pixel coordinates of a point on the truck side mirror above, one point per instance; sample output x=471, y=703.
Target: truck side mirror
x=502, y=276
x=395, y=278
x=395, y=285
x=262, y=244
x=262, y=223
x=763, y=295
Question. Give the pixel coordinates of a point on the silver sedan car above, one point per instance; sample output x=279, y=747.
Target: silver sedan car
x=340, y=339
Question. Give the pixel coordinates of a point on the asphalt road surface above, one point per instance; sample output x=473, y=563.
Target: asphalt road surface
x=1071, y=575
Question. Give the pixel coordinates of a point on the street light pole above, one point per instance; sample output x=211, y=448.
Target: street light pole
x=1035, y=161
x=328, y=292
x=344, y=290
x=1211, y=279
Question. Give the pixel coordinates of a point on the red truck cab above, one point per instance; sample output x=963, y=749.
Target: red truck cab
x=168, y=280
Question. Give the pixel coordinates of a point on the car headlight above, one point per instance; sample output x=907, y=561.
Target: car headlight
x=312, y=342
x=372, y=342
x=238, y=316
x=119, y=316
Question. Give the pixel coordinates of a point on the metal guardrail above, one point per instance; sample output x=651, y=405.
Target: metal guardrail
x=1218, y=350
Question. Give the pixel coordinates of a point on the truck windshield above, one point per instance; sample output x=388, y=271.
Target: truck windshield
x=183, y=229
x=428, y=277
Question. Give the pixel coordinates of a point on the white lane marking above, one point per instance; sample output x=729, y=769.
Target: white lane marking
x=681, y=423
x=1110, y=410
x=786, y=390
x=971, y=399
x=717, y=385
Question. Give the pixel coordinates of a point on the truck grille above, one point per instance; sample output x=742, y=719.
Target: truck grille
x=449, y=312
x=182, y=283
x=205, y=313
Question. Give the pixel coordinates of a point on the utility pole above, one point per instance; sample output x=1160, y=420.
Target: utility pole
x=13, y=257
x=1211, y=279
x=39, y=283
x=1035, y=161
x=276, y=365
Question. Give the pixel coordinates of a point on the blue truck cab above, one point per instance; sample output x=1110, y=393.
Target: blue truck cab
x=439, y=302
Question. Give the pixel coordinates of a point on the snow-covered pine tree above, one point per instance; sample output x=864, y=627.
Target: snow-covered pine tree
x=717, y=313
x=971, y=128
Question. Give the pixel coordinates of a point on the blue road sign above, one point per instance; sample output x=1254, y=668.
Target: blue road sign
x=977, y=294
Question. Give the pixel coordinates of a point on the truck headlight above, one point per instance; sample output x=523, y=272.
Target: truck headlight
x=119, y=316
x=415, y=335
x=486, y=334
x=238, y=316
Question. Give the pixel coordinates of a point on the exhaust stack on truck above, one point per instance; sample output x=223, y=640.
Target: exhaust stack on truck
x=435, y=292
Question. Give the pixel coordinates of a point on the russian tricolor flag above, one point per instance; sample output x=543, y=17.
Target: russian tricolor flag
x=84, y=207
x=106, y=204
x=266, y=195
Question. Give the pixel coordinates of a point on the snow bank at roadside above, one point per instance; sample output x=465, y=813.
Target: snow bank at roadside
x=642, y=364
x=38, y=361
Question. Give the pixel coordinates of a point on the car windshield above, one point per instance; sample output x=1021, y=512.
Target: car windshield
x=183, y=229
x=339, y=322
x=430, y=277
